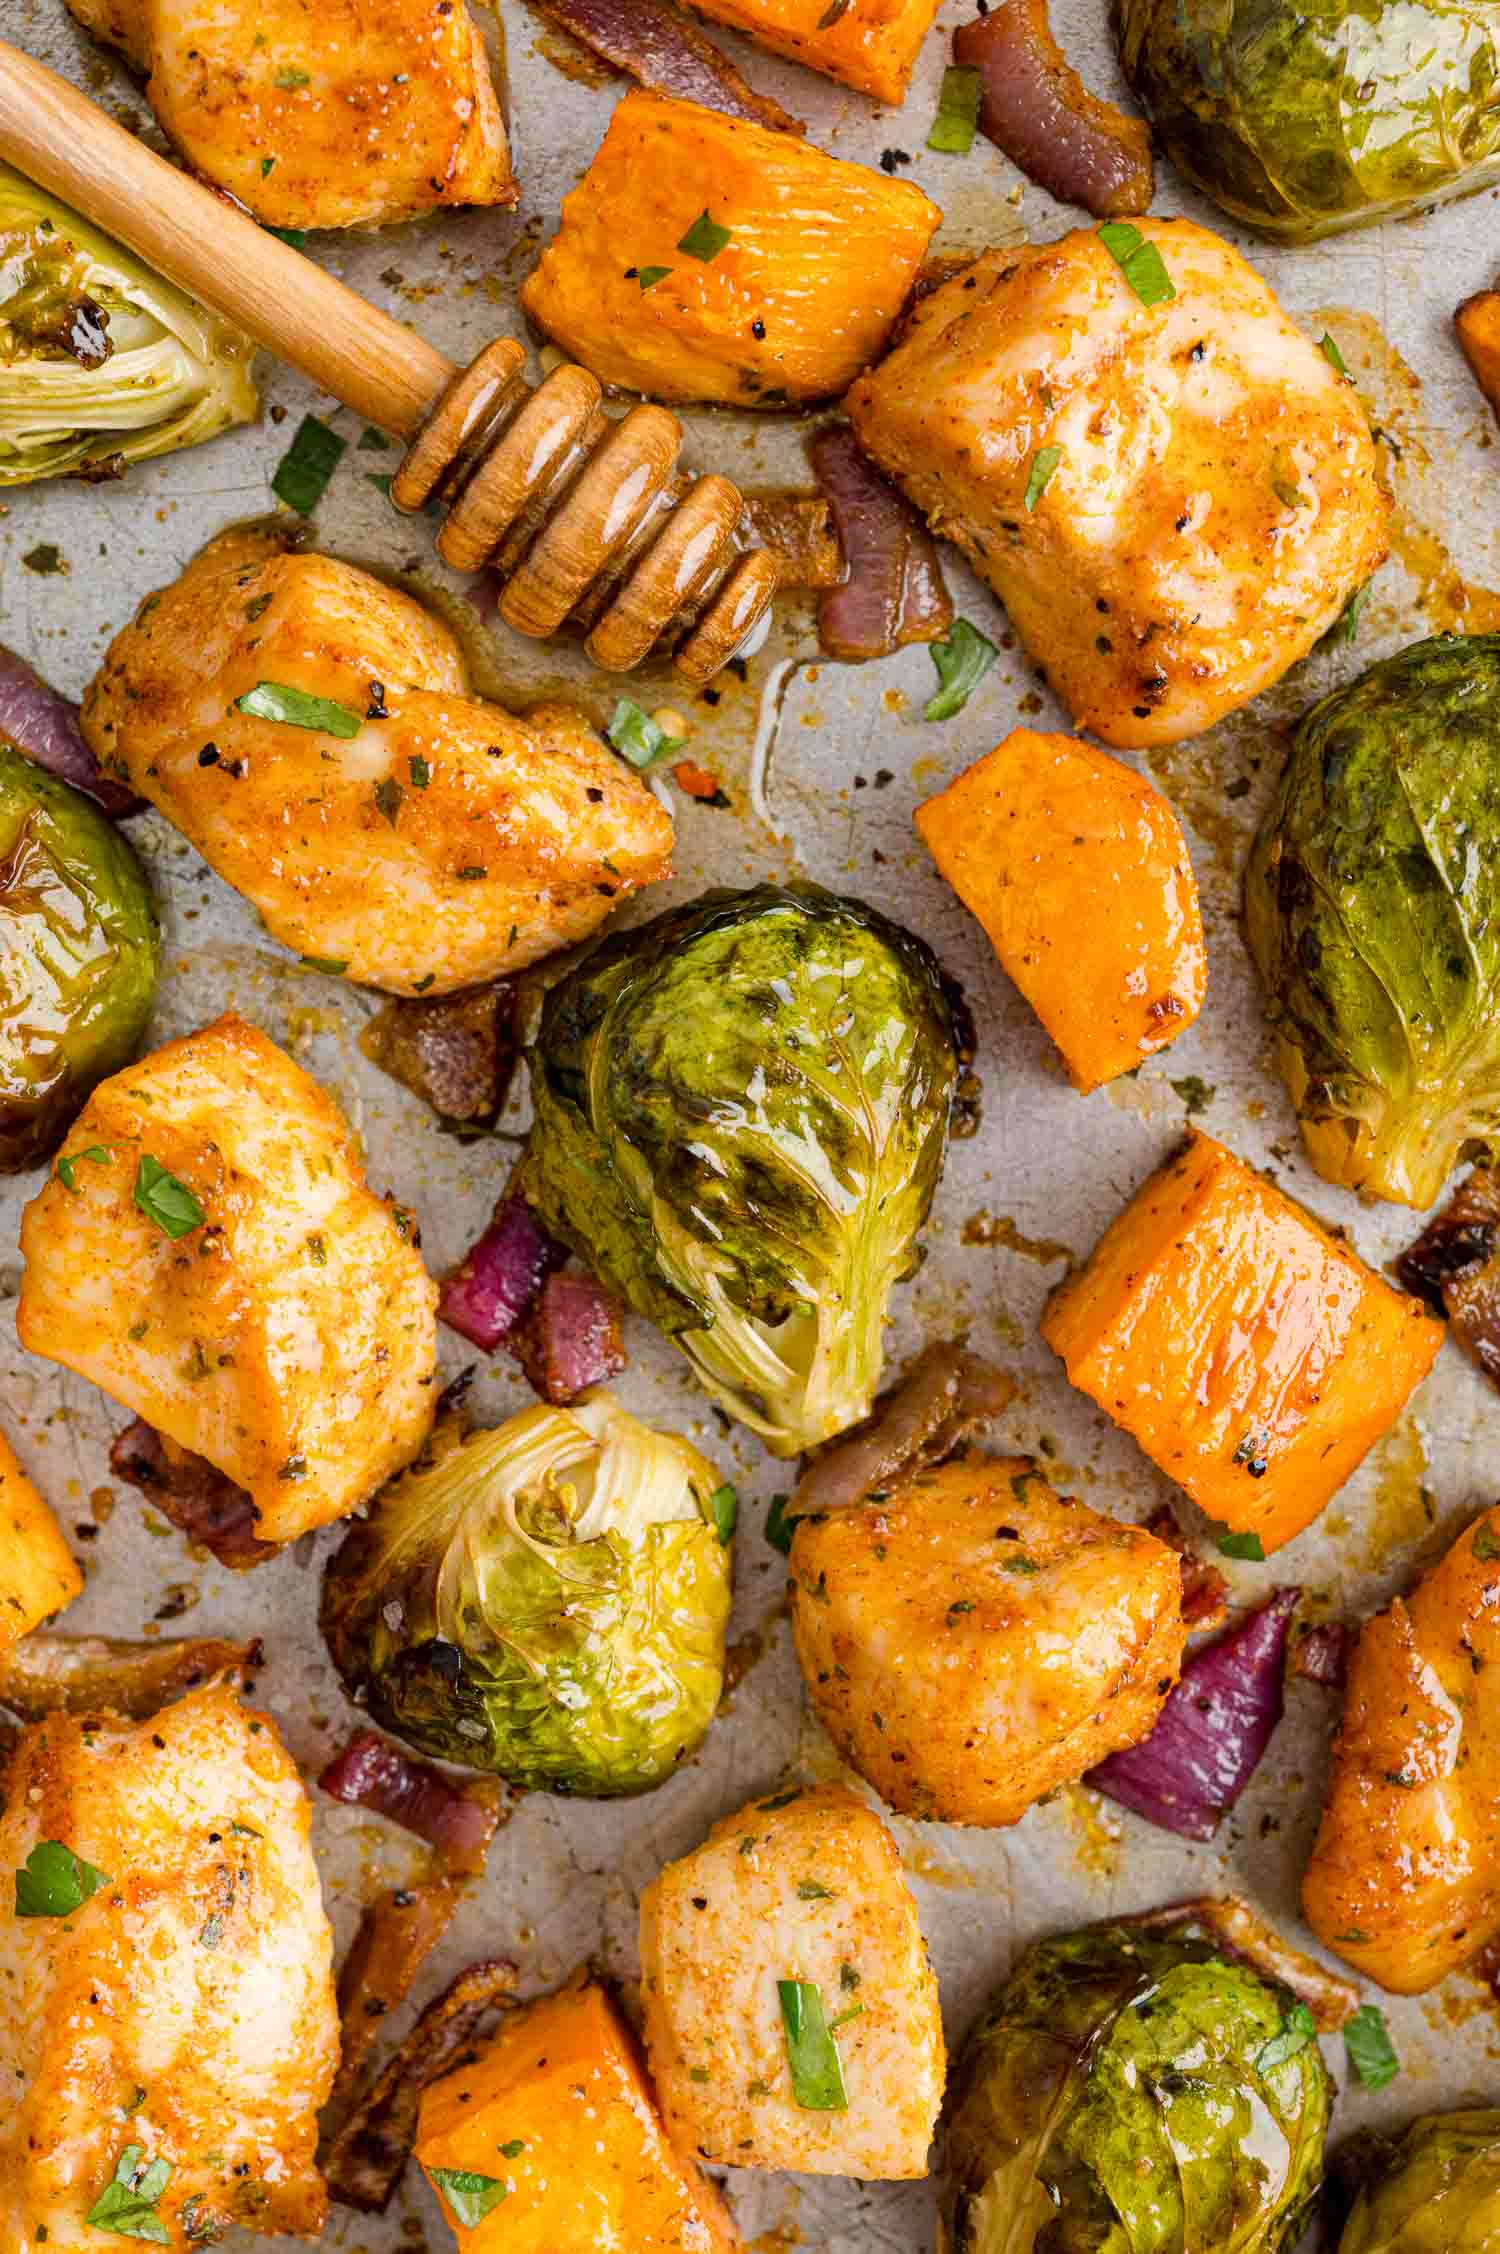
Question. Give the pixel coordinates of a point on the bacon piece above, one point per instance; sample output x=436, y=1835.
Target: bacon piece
x=457, y=1052
x=894, y=592
x=186, y=1489
x=569, y=1338
x=458, y=1819
x=397, y=1934
x=653, y=44
x=1036, y=109
x=52, y=1674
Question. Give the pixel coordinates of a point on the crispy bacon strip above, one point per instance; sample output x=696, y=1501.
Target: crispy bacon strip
x=1036, y=109
x=1243, y=1933
x=458, y=1052
x=186, y=1489
x=52, y=1674
x=458, y=1819
x=653, y=44
x=397, y=1934
x=895, y=591
x=569, y=1337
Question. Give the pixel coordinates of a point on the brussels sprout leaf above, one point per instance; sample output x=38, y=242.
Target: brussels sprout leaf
x=53, y=1882
x=127, y=2204
x=1140, y=262
x=1043, y=463
x=1371, y=2052
x=723, y=1509
x=470, y=2196
x=957, y=113
x=1298, y=2029
x=962, y=659
x=637, y=737
x=307, y=465
x=780, y=1528
x=165, y=1200
x=705, y=238
x=817, y=2070
x=278, y=700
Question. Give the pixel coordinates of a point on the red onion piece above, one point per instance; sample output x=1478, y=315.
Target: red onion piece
x=652, y=43
x=1322, y=1655
x=894, y=592
x=923, y=1420
x=43, y=724
x=186, y=1489
x=1036, y=109
x=497, y=1280
x=1212, y=1732
x=459, y=1820
x=569, y=1339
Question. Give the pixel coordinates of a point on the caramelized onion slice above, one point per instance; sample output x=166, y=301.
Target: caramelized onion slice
x=53, y=1674
x=895, y=591
x=1243, y=1933
x=924, y=1419
x=653, y=44
x=458, y=1818
x=1036, y=109
x=397, y=1934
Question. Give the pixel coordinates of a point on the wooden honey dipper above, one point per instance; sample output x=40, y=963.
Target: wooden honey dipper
x=581, y=516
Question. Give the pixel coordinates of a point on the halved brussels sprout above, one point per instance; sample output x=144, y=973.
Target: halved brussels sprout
x=1303, y=121
x=547, y=1600
x=79, y=954
x=1129, y=2091
x=102, y=362
x=1372, y=908
x=1431, y=2188
x=741, y=1114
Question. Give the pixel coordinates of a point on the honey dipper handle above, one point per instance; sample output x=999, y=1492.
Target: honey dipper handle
x=209, y=247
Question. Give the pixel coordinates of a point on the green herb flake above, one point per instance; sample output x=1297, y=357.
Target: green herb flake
x=1019, y=1564
x=1196, y=1093
x=637, y=737
x=1284, y=484
x=334, y=965
x=1140, y=262
x=514, y=2149
x=294, y=708
x=295, y=239
x=812, y=2053
x=1239, y=1545
x=1346, y=625
x=68, y=1165
x=957, y=119
x=849, y=1979
x=723, y=1510
x=813, y=1890
x=649, y=276
x=705, y=238
x=372, y=441
x=855, y=2011
x=420, y=773
x=165, y=1200
x=469, y=2196
x=962, y=657
x=127, y=2204
x=1334, y=357
x=1371, y=2051
x=267, y=167
x=1298, y=2029
x=211, y=1932
x=780, y=1528
x=388, y=797
x=1043, y=463
x=307, y=465
x=46, y=560
x=53, y=1881
x=289, y=79
x=1486, y=1543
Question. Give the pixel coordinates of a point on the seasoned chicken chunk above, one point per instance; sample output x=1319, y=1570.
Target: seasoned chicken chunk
x=784, y=1972
x=1404, y=1881
x=354, y=113
x=385, y=822
x=1173, y=497
x=178, y=2029
x=973, y=1640
x=38, y=1575
x=207, y=1252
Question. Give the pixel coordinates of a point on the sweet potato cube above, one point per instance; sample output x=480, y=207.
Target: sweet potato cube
x=702, y=257
x=37, y=1573
x=1478, y=324
x=557, y=2109
x=793, y=1914
x=868, y=44
x=1251, y=1356
x=1079, y=872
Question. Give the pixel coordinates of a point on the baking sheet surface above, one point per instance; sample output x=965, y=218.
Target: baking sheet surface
x=823, y=765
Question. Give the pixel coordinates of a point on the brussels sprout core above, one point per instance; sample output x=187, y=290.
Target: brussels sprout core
x=547, y=1600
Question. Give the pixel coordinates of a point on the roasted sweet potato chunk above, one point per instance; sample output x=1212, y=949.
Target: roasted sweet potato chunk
x=1079, y=872
x=705, y=258
x=868, y=44
x=1478, y=324
x=37, y=1573
x=1251, y=1356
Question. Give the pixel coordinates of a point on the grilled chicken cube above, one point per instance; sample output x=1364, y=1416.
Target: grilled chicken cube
x=38, y=1575
x=1404, y=1881
x=784, y=1970
x=167, y=2014
x=1174, y=497
x=387, y=823
x=362, y=113
x=207, y=1251
x=974, y=1640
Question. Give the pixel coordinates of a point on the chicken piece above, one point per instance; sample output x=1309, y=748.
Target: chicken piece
x=797, y=1905
x=355, y=114
x=220, y=1267
x=804, y=293
x=419, y=839
x=182, y=2019
x=870, y=45
x=973, y=1640
x=1080, y=874
x=1173, y=497
x=1248, y=1352
x=557, y=2108
x=38, y=1575
x=1404, y=1881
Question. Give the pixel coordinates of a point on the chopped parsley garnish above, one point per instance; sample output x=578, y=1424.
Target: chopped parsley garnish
x=1371, y=2051
x=294, y=708
x=332, y=964
x=1334, y=357
x=1298, y=2029
x=649, y=276
x=962, y=658
x=1240, y=1545
x=295, y=239
x=1486, y=1544
x=723, y=1508
x=1195, y=1092
x=813, y=1890
x=127, y=2204
x=420, y=773
x=812, y=2053
x=372, y=441
x=705, y=238
x=637, y=737
x=469, y=2196
x=1043, y=463
x=53, y=1881
x=165, y=1200
x=67, y=1166
x=957, y=117
x=1140, y=262
x=780, y=1528
x=307, y=465
x=289, y=78
x=1346, y=625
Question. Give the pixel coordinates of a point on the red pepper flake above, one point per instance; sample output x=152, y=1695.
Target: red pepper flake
x=699, y=783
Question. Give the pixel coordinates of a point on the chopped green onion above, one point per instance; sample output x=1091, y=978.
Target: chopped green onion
x=1043, y=463
x=649, y=276
x=307, y=465
x=294, y=239
x=723, y=1513
x=637, y=737
x=470, y=2196
x=1334, y=357
x=53, y=1881
x=294, y=708
x=67, y=1168
x=957, y=117
x=1241, y=1545
x=165, y=1200
x=1140, y=262
x=705, y=238
x=127, y=2204
x=1298, y=2029
x=291, y=78
x=334, y=965
x=780, y=1528
x=962, y=659
x=1346, y=625
x=812, y=2053
x=1371, y=2051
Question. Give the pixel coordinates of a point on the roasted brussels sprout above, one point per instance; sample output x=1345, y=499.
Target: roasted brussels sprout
x=79, y=953
x=741, y=1113
x=1431, y=2188
x=1131, y=2092
x=102, y=362
x=1303, y=121
x=547, y=1600
x=1372, y=907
